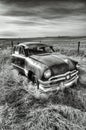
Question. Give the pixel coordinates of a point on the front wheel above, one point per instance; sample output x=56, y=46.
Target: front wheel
x=36, y=82
x=32, y=77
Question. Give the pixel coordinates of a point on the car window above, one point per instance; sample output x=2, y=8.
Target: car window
x=48, y=50
x=39, y=50
x=21, y=50
x=16, y=50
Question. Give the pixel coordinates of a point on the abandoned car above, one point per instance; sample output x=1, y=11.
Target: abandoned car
x=47, y=69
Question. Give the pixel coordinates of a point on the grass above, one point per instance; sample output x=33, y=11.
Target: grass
x=26, y=114
x=22, y=110
x=65, y=45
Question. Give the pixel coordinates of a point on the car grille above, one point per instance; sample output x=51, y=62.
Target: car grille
x=59, y=69
x=64, y=77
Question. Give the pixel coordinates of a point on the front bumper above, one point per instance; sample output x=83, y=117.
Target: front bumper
x=59, y=82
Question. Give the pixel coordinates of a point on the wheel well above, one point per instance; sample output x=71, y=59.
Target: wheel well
x=31, y=75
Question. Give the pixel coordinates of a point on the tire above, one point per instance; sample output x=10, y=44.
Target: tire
x=32, y=77
x=35, y=81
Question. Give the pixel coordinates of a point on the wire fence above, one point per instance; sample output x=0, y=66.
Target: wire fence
x=77, y=46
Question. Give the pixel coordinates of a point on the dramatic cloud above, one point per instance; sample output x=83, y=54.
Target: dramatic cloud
x=25, y=18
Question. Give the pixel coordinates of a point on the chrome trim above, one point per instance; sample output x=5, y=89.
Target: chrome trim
x=25, y=71
x=17, y=66
x=48, y=82
x=17, y=55
x=61, y=86
x=74, y=72
x=67, y=81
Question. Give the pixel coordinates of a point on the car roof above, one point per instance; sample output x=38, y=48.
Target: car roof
x=32, y=44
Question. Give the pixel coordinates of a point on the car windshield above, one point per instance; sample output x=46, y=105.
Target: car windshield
x=39, y=50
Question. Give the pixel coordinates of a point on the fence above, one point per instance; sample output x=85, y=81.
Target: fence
x=63, y=45
x=74, y=46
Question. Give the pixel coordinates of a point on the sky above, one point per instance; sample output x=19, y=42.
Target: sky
x=42, y=18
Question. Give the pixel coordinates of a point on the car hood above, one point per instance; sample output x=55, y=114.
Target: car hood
x=48, y=59
x=57, y=63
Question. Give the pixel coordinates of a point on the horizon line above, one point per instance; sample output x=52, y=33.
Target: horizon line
x=42, y=37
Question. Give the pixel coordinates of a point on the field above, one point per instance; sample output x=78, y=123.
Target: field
x=21, y=109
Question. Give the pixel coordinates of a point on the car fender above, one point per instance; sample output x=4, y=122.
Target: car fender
x=36, y=67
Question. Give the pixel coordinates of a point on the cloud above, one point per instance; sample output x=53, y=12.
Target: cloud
x=50, y=10
x=42, y=17
x=8, y=34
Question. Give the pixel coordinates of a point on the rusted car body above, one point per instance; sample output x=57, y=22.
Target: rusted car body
x=46, y=68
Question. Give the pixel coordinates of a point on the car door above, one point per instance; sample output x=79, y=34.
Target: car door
x=21, y=60
x=15, y=56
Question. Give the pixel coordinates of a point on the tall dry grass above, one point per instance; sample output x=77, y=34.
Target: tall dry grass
x=8, y=80
x=21, y=110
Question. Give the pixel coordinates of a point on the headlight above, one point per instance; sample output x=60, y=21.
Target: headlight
x=47, y=73
x=77, y=66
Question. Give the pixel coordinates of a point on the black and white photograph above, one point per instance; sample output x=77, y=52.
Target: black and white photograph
x=42, y=65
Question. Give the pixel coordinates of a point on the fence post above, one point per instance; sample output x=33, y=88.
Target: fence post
x=78, y=47
x=12, y=44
